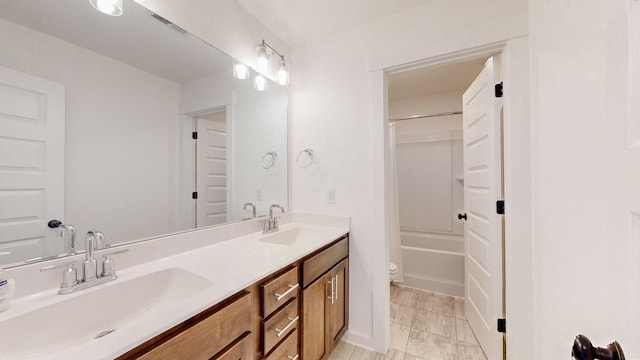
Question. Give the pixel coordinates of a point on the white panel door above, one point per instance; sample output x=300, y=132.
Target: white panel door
x=211, y=170
x=482, y=188
x=32, y=128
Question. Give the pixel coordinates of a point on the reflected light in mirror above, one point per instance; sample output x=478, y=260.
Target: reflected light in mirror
x=260, y=83
x=108, y=7
x=240, y=71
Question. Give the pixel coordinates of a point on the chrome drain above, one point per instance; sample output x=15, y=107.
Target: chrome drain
x=104, y=333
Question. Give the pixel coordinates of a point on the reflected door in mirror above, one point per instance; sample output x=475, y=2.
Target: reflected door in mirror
x=211, y=169
x=32, y=135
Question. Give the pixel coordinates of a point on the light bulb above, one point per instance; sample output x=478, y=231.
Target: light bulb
x=240, y=71
x=262, y=59
x=260, y=83
x=282, y=76
x=108, y=7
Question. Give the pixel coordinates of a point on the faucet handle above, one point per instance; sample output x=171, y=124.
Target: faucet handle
x=69, y=275
x=108, y=269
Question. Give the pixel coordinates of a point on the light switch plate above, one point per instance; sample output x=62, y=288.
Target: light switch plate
x=331, y=196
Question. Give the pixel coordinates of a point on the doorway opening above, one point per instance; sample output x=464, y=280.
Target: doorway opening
x=445, y=173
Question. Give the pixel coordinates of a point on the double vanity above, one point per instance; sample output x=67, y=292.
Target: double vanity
x=226, y=292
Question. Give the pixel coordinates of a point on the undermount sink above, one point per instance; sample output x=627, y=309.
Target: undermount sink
x=292, y=236
x=95, y=314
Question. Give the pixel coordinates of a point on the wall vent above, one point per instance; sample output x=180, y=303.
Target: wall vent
x=169, y=23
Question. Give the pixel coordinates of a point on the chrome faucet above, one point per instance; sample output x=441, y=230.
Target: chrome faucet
x=271, y=224
x=68, y=232
x=100, y=241
x=253, y=207
x=90, y=265
x=90, y=277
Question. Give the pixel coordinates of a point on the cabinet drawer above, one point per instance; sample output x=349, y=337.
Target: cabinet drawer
x=317, y=265
x=210, y=335
x=279, y=325
x=288, y=350
x=278, y=291
x=241, y=350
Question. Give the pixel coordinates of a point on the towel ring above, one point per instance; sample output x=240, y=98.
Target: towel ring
x=269, y=159
x=305, y=158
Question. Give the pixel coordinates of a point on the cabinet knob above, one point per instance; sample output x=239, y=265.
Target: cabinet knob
x=584, y=350
x=462, y=216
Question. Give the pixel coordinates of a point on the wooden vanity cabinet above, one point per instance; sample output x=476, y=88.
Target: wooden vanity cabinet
x=297, y=313
x=220, y=332
x=280, y=315
x=325, y=300
x=337, y=309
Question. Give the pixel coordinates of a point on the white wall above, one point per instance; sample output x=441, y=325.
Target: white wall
x=333, y=90
x=112, y=142
x=584, y=272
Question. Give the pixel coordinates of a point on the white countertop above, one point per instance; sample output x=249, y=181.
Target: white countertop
x=230, y=265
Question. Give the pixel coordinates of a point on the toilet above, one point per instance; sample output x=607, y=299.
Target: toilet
x=393, y=271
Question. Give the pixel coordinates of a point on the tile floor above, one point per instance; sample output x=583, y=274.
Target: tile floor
x=424, y=326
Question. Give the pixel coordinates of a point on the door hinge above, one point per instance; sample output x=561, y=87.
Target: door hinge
x=194, y=135
x=499, y=90
x=500, y=207
x=194, y=195
x=502, y=325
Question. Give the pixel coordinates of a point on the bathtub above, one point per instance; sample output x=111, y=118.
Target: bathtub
x=433, y=262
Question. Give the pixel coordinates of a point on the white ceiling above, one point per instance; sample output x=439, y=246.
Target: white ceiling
x=434, y=79
x=135, y=38
x=299, y=21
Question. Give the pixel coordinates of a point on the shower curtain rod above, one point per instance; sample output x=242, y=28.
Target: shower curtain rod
x=426, y=116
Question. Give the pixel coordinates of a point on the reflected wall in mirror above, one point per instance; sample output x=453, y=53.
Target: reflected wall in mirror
x=96, y=122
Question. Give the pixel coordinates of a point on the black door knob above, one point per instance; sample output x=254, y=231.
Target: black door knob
x=54, y=224
x=462, y=216
x=584, y=350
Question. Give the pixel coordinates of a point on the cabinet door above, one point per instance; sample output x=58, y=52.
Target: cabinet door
x=337, y=317
x=314, y=310
x=241, y=350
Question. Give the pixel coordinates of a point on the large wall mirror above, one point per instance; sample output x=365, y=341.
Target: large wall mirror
x=97, y=115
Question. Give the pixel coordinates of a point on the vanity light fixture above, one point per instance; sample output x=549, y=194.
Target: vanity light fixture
x=108, y=7
x=241, y=71
x=263, y=51
x=260, y=83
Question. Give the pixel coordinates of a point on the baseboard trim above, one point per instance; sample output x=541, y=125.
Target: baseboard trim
x=359, y=340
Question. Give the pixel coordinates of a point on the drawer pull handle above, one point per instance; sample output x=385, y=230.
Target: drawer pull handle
x=292, y=357
x=333, y=295
x=291, y=288
x=284, y=330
